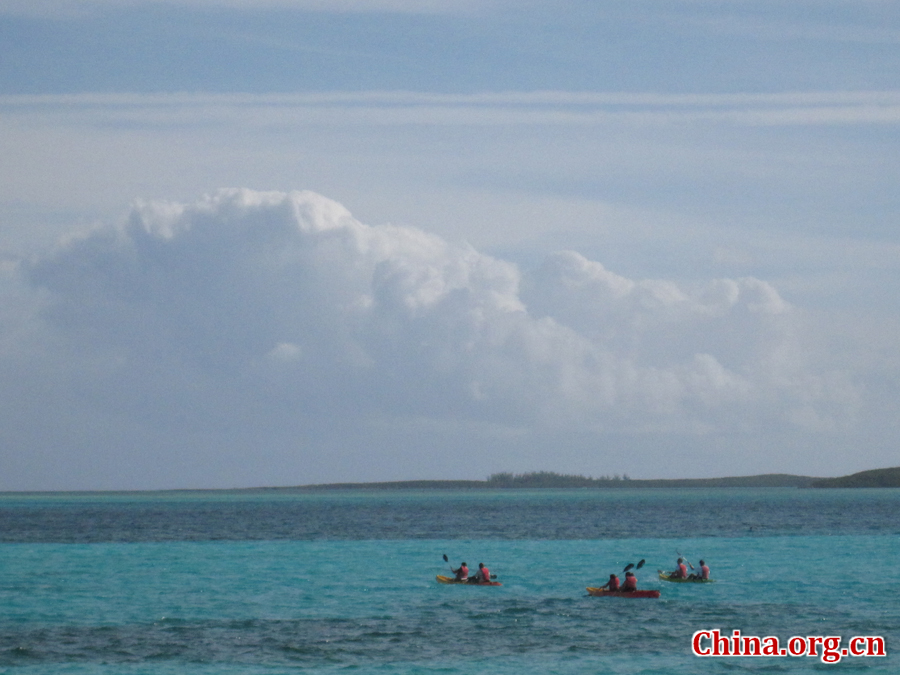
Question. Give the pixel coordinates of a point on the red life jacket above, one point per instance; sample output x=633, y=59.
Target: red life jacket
x=682, y=571
x=630, y=583
x=704, y=572
x=462, y=573
x=614, y=584
x=485, y=574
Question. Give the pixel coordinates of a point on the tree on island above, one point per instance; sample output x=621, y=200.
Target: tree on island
x=544, y=479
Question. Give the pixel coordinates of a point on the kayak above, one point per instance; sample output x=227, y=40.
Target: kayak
x=451, y=580
x=603, y=593
x=667, y=576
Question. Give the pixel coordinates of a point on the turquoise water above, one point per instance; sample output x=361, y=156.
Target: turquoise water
x=104, y=591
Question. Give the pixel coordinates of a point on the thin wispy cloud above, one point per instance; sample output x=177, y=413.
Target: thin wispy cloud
x=814, y=28
x=62, y=8
x=502, y=108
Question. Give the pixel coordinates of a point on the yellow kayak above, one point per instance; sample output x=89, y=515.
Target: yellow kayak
x=667, y=576
x=451, y=580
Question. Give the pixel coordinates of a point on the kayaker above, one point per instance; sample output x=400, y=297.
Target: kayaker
x=680, y=571
x=462, y=574
x=483, y=574
x=612, y=584
x=704, y=572
x=630, y=582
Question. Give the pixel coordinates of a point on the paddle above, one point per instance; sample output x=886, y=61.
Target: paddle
x=630, y=565
x=685, y=559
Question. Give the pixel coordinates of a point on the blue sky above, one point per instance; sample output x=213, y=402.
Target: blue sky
x=644, y=45
x=617, y=232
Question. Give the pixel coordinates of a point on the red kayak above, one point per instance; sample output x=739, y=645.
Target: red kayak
x=603, y=593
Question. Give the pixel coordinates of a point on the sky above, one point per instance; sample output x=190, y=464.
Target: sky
x=288, y=242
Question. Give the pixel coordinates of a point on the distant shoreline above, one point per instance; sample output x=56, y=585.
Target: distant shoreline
x=544, y=481
x=876, y=478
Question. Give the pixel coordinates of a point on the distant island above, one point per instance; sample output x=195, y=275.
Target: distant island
x=876, y=478
x=549, y=479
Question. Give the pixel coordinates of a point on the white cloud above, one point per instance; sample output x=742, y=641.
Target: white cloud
x=390, y=321
x=270, y=338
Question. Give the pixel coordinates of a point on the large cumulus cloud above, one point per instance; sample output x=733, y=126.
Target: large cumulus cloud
x=285, y=303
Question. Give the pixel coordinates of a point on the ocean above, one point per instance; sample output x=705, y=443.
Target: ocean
x=288, y=581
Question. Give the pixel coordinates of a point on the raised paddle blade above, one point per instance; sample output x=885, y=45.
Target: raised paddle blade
x=446, y=559
x=628, y=567
x=685, y=559
x=640, y=564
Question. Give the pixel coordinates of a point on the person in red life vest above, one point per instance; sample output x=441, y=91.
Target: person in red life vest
x=680, y=571
x=704, y=572
x=612, y=584
x=482, y=575
x=462, y=574
x=630, y=582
